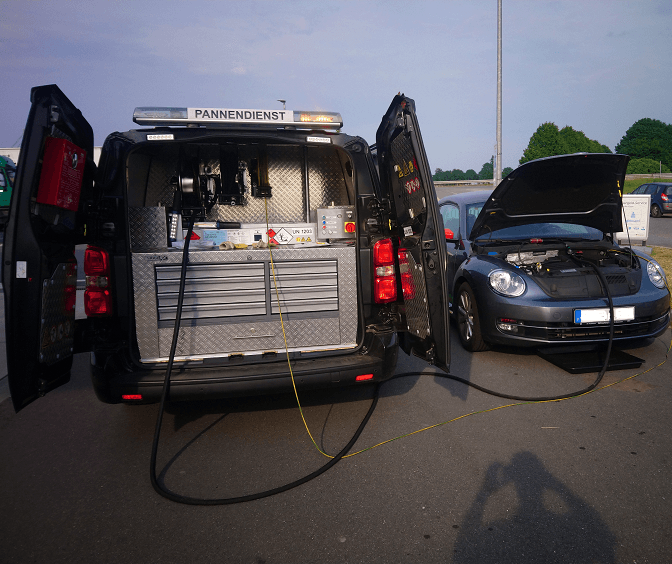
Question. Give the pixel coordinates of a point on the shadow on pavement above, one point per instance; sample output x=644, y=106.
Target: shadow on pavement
x=522, y=513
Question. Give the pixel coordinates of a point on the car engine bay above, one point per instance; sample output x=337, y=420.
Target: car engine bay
x=569, y=272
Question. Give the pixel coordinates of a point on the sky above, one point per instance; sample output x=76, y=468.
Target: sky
x=597, y=66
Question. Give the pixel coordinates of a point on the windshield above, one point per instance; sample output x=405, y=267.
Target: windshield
x=472, y=213
x=544, y=230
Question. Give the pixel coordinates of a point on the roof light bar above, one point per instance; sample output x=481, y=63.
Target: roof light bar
x=224, y=117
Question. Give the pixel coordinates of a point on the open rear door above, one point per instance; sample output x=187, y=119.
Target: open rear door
x=55, y=171
x=405, y=176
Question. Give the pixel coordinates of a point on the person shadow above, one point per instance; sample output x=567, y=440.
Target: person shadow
x=522, y=513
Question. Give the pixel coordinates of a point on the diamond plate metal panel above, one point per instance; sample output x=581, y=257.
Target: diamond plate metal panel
x=251, y=337
x=231, y=337
x=415, y=300
x=325, y=178
x=285, y=175
x=148, y=228
x=160, y=191
x=57, y=328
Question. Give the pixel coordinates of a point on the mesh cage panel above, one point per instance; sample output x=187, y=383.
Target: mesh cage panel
x=411, y=184
x=415, y=299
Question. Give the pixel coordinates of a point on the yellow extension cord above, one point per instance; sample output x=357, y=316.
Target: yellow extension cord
x=284, y=336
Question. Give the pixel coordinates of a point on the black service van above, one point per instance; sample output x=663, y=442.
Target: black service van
x=308, y=249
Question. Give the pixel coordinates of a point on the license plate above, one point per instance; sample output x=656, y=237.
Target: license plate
x=601, y=315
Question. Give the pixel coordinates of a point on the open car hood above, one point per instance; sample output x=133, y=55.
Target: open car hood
x=584, y=189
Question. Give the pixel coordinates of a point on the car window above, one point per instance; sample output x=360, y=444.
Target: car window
x=640, y=189
x=451, y=220
x=650, y=189
x=3, y=182
x=548, y=230
x=669, y=191
x=472, y=213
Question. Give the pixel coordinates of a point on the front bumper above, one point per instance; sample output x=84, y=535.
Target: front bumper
x=544, y=324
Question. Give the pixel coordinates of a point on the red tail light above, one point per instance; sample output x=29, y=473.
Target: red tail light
x=664, y=197
x=384, y=281
x=363, y=377
x=97, y=296
x=407, y=284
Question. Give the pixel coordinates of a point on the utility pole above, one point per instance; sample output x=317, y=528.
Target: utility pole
x=498, y=158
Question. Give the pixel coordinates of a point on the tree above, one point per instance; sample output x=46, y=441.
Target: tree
x=439, y=174
x=548, y=141
x=457, y=174
x=508, y=170
x=471, y=174
x=545, y=142
x=646, y=166
x=648, y=139
x=577, y=142
x=487, y=170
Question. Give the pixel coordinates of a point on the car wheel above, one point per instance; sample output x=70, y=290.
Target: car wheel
x=468, y=322
x=656, y=211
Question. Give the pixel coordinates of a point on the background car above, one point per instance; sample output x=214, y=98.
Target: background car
x=459, y=212
x=536, y=265
x=661, y=197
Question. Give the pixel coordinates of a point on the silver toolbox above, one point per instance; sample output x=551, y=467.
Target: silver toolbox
x=230, y=302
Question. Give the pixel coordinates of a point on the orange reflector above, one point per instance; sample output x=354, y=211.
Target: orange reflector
x=363, y=377
x=131, y=396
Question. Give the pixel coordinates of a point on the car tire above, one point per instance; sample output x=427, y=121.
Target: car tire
x=468, y=321
x=656, y=211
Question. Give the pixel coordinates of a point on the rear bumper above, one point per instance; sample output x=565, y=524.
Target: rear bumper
x=378, y=358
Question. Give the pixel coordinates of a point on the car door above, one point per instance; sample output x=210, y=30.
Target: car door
x=54, y=175
x=450, y=214
x=406, y=182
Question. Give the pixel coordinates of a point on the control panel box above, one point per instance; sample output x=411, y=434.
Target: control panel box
x=62, y=174
x=336, y=223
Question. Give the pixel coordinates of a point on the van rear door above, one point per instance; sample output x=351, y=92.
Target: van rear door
x=406, y=181
x=54, y=176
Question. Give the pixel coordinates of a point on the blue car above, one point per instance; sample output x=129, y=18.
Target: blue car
x=529, y=264
x=661, y=197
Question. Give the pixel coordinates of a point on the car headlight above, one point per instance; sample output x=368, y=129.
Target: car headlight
x=655, y=272
x=506, y=283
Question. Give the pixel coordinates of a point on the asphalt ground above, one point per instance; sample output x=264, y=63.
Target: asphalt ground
x=581, y=480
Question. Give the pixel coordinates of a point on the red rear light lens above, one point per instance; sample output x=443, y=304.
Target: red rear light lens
x=97, y=302
x=97, y=296
x=407, y=284
x=385, y=289
x=96, y=262
x=383, y=253
x=384, y=281
x=663, y=197
x=131, y=396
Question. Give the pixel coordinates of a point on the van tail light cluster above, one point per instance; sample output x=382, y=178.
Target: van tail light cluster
x=407, y=284
x=384, y=279
x=97, y=296
x=664, y=197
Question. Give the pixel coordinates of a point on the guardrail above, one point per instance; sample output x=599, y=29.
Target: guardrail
x=458, y=182
x=491, y=181
x=653, y=175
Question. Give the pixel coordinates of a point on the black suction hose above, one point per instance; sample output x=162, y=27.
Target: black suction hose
x=600, y=375
x=161, y=490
